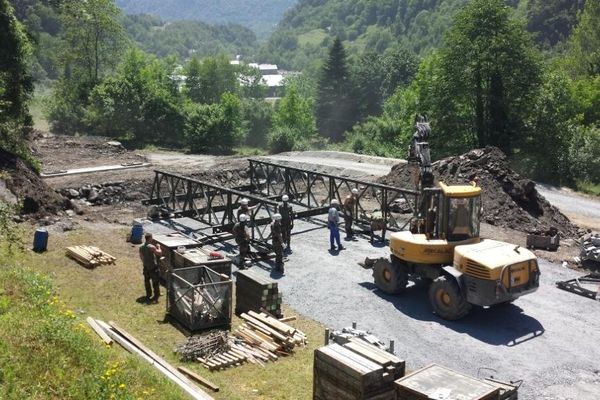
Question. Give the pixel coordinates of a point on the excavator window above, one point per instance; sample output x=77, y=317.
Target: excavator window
x=463, y=218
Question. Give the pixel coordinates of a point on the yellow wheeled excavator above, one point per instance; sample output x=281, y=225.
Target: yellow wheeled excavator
x=443, y=247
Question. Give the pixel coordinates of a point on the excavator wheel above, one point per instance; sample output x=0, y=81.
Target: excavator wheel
x=391, y=278
x=447, y=299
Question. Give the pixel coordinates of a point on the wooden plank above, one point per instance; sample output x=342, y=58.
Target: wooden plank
x=153, y=355
x=288, y=319
x=98, y=329
x=203, y=381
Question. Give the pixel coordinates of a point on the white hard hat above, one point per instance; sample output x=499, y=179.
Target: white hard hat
x=285, y=197
x=276, y=217
x=244, y=202
x=243, y=218
x=334, y=201
x=354, y=190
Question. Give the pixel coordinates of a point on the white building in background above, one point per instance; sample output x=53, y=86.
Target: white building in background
x=272, y=77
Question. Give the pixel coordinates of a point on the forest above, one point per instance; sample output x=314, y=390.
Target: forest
x=520, y=75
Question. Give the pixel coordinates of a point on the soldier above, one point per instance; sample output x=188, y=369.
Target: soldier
x=242, y=238
x=287, y=221
x=349, y=206
x=277, y=238
x=333, y=219
x=244, y=208
x=149, y=251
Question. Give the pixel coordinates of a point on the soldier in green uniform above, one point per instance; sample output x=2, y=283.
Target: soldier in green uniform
x=277, y=239
x=242, y=238
x=149, y=252
x=287, y=220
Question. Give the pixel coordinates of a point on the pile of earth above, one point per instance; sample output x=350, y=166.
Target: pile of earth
x=20, y=184
x=509, y=200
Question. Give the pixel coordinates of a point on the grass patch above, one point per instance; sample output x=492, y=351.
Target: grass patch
x=110, y=293
x=247, y=151
x=588, y=188
x=37, y=108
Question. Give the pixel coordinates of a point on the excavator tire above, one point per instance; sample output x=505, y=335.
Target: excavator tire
x=447, y=299
x=389, y=277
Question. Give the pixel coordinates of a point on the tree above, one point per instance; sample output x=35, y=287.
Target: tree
x=552, y=20
x=584, y=46
x=490, y=66
x=208, y=80
x=335, y=109
x=16, y=85
x=295, y=114
x=367, y=78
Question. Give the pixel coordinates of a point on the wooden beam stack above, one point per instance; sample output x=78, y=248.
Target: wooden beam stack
x=256, y=293
x=261, y=338
x=90, y=256
x=355, y=371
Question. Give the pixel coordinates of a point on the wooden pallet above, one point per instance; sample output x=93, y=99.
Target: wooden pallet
x=90, y=256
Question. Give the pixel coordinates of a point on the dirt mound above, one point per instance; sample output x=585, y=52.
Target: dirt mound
x=35, y=196
x=509, y=200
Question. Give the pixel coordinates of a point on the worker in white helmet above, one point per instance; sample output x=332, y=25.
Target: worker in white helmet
x=287, y=221
x=242, y=238
x=333, y=220
x=277, y=240
x=350, y=205
x=245, y=208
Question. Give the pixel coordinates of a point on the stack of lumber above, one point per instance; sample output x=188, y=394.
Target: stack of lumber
x=204, y=346
x=355, y=371
x=90, y=256
x=256, y=293
x=261, y=338
x=134, y=346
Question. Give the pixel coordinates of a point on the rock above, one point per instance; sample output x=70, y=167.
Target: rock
x=72, y=193
x=6, y=195
x=70, y=213
x=92, y=195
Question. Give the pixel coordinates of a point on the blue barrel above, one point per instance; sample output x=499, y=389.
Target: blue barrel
x=137, y=232
x=40, y=240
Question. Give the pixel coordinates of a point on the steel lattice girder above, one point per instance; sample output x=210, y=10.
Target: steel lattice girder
x=303, y=186
x=209, y=203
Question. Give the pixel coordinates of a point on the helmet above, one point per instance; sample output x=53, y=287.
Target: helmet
x=334, y=202
x=244, y=202
x=285, y=197
x=243, y=218
x=354, y=191
x=276, y=217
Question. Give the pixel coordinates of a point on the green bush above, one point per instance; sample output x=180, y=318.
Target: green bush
x=584, y=153
x=282, y=139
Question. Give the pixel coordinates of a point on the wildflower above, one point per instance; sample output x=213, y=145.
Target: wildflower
x=122, y=386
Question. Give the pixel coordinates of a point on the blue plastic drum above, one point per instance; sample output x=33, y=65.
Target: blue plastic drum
x=137, y=233
x=40, y=240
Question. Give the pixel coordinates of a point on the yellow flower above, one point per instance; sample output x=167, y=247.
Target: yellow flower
x=122, y=386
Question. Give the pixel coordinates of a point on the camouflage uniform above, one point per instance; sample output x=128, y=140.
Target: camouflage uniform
x=242, y=238
x=150, y=270
x=287, y=222
x=349, y=205
x=277, y=238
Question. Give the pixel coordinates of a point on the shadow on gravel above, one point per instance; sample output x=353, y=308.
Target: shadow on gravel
x=504, y=325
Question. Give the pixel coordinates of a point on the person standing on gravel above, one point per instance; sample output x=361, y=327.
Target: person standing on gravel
x=149, y=252
x=244, y=208
x=333, y=220
x=349, y=206
x=287, y=221
x=277, y=240
x=242, y=238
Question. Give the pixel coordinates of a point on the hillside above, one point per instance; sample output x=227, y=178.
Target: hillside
x=184, y=38
x=260, y=16
x=306, y=31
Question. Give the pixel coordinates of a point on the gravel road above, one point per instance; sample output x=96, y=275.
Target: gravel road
x=583, y=210
x=549, y=338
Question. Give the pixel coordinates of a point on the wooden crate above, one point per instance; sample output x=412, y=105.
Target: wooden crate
x=169, y=244
x=355, y=371
x=436, y=381
x=199, y=298
x=191, y=257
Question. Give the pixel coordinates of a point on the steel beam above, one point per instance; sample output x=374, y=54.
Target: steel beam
x=314, y=190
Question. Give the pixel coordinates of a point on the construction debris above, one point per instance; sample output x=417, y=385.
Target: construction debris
x=199, y=379
x=261, y=338
x=204, y=346
x=355, y=371
x=90, y=256
x=590, y=249
x=588, y=286
x=548, y=240
x=255, y=293
x=346, y=334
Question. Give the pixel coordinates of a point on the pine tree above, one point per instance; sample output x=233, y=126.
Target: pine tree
x=335, y=110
